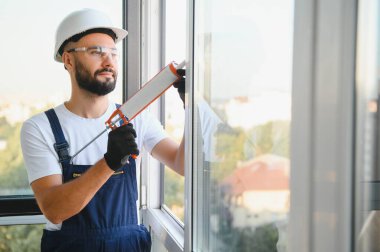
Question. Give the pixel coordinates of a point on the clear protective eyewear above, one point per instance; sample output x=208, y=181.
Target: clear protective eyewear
x=97, y=52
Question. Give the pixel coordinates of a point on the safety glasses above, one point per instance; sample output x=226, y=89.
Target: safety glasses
x=97, y=52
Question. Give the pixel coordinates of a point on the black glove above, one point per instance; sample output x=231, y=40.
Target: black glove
x=180, y=84
x=121, y=144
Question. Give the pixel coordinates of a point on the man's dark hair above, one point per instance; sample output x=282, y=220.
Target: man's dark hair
x=78, y=36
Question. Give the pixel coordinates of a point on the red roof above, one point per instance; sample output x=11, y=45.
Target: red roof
x=264, y=173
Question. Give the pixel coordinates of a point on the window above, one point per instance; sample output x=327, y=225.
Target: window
x=163, y=39
x=242, y=116
x=34, y=81
x=31, y=83
x=175, y=49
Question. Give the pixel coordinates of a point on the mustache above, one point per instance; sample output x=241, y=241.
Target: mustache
x=105, y=70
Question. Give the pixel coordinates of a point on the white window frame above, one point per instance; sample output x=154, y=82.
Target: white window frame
x=322, y=137
x=165, y=226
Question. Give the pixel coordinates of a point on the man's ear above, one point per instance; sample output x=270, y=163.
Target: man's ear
x=67, y=60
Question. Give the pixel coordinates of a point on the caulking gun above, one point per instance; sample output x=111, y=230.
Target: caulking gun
x=153, y=89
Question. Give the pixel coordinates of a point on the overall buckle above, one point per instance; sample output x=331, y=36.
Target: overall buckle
x=62, y=150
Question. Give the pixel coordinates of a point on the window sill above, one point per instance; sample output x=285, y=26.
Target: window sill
x=165, y=228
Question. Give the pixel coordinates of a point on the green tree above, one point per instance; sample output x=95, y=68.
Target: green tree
x=272, y=137
x=20, y=238
x=12, y=171
x=229, y=150
x=13, y=176
x=5, y=128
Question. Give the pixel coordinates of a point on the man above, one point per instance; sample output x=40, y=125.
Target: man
x=90, y=201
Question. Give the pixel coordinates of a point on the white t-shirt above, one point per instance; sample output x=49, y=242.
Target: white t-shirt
x=37, y=141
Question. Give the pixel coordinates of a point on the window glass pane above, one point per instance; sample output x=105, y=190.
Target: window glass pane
x=32, y=81
x=367, y=184
x=175, y=45
x=242, y=81
x=22, y=238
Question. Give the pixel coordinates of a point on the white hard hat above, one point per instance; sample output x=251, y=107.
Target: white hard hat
x=81, y=21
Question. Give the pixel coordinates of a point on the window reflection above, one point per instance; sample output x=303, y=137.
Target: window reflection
x=242, y=93
x=367, y=186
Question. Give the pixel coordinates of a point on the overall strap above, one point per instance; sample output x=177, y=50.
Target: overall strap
x=61, y=146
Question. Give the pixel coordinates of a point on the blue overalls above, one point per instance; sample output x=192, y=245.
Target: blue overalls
x=109, y=221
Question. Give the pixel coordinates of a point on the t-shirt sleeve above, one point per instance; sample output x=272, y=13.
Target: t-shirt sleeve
x=40, y=159
x=153, y=131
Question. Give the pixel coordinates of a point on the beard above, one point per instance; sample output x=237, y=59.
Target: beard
x=89, y=83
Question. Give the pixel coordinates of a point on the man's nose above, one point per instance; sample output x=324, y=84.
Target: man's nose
x=108, y=60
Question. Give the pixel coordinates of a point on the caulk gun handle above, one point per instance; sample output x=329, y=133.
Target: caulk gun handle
x=125, y=160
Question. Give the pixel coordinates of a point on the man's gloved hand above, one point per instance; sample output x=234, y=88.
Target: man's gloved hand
x=121, y=143
x=180, y=84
